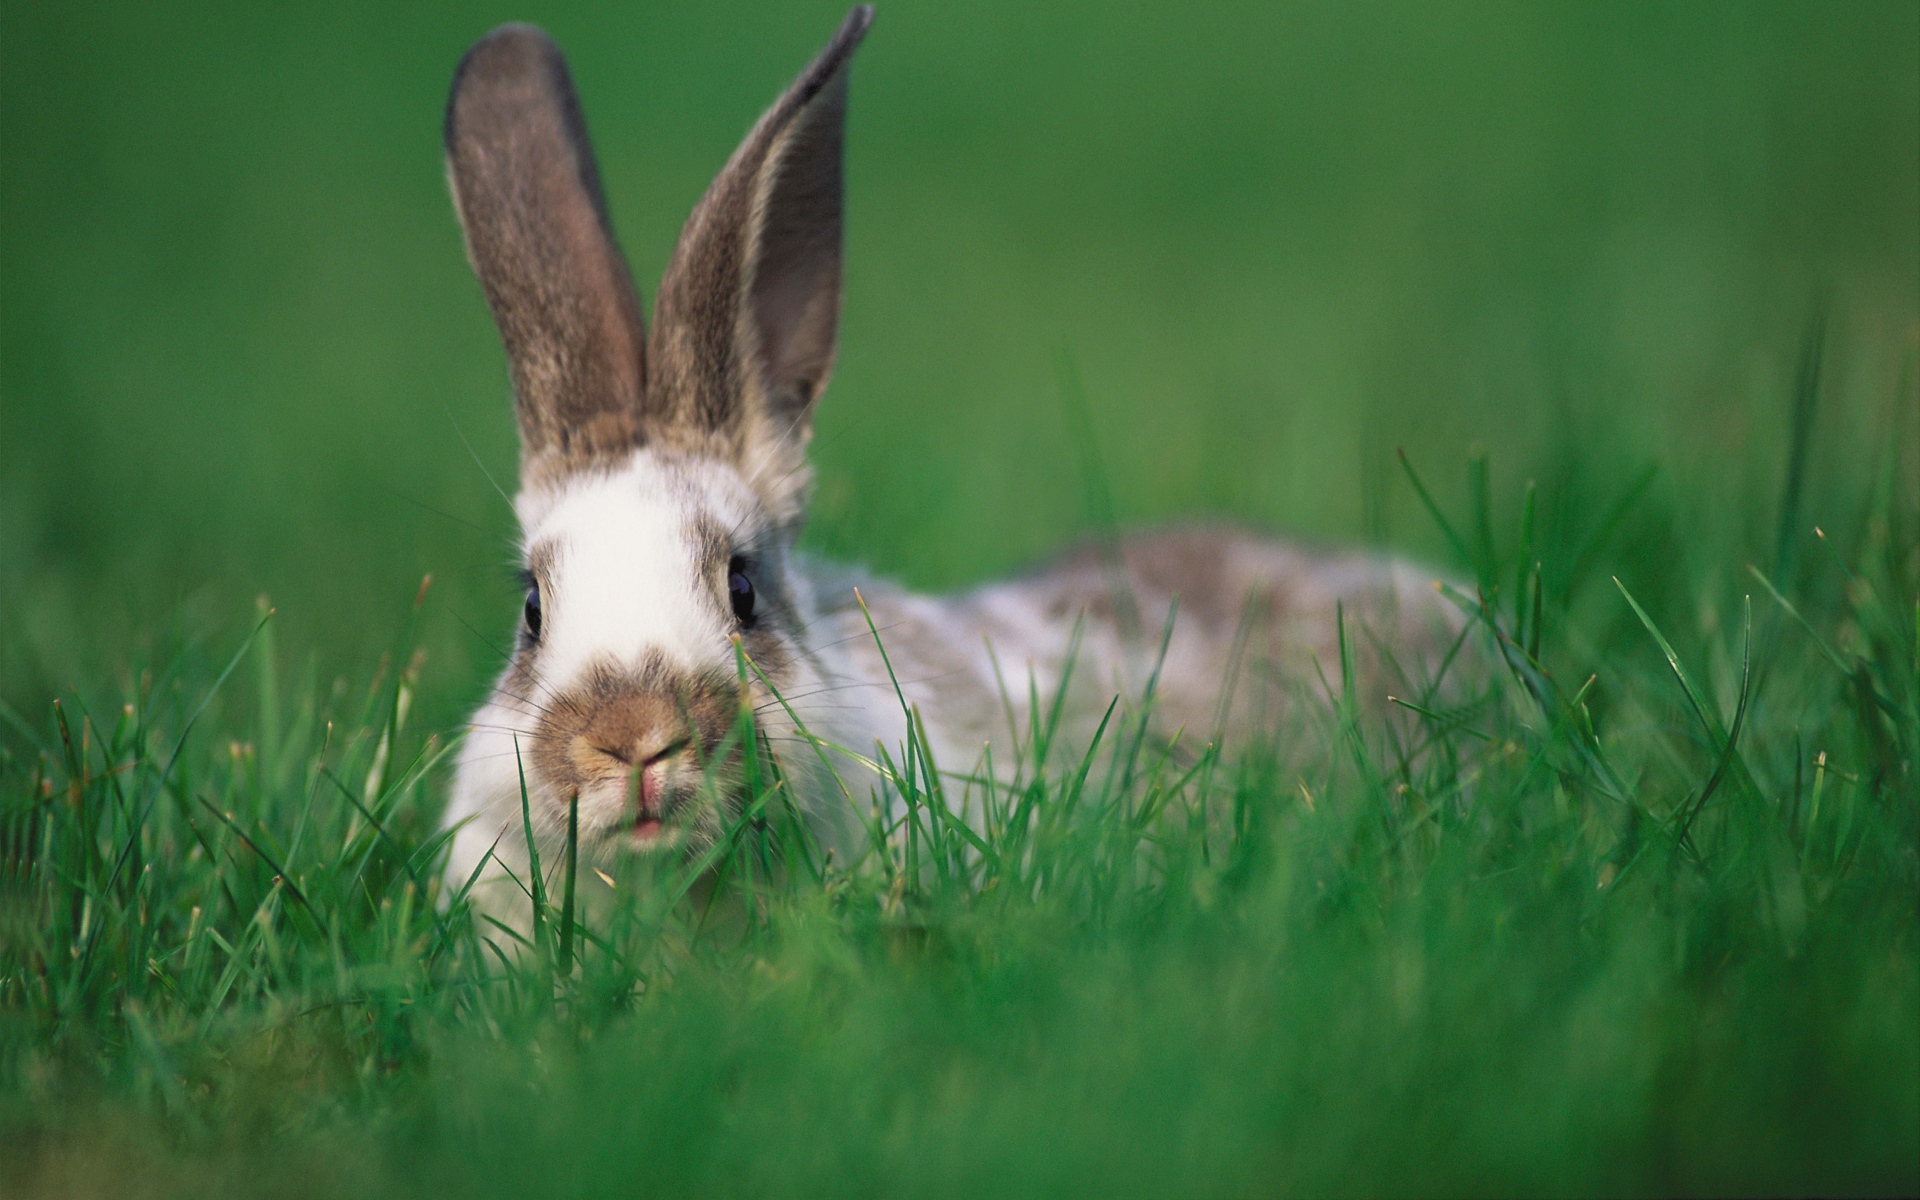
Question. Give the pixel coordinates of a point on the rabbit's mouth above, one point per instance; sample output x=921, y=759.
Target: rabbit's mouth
x=664, y=799
x=671, y=799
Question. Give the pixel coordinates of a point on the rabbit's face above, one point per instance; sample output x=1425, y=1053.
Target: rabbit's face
x=662, y=472
x=657, y=599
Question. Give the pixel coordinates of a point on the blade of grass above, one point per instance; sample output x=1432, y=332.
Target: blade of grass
x=1433, y=510
x=1702, y=707
x=566, y=900
x=1733, y=736
x=537, y=888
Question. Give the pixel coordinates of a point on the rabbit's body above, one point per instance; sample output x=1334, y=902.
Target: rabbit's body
x=663, y=485
x=1255, y=620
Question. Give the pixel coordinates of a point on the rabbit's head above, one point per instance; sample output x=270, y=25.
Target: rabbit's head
x=662, y=476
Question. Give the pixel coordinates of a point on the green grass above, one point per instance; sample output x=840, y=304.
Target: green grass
x=1636, y=920
x=1633, y=286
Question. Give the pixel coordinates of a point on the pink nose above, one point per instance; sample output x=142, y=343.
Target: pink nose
x=653, y=779
x=651, y=770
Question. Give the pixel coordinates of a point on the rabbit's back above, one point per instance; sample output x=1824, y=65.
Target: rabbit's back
x=1254, y=634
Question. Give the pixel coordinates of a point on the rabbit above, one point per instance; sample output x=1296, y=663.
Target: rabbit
x=663, y=485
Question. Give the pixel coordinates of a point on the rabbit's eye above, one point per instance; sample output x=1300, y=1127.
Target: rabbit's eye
x=532, y=612
x=740, y=590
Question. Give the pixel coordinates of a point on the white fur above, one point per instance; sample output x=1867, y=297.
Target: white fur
x=623, y=581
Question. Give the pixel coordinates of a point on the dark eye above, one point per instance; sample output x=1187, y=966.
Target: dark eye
x=532, y=612
x=740, y=590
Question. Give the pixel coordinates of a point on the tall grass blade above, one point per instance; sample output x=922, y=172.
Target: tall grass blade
x=1726, y=757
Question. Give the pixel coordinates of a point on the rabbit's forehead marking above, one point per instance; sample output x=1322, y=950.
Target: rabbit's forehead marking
x=632, y=564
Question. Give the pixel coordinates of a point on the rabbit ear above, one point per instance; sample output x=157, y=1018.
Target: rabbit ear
x=528, y=195
x=744, y=327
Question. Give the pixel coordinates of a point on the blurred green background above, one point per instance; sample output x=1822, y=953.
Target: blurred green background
x=241, y=352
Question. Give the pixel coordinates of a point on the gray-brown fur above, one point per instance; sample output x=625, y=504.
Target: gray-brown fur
x=745, y=322
x=1255, y=637
x=528, y=194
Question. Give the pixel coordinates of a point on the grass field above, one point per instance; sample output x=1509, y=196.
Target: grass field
x=1637, y=290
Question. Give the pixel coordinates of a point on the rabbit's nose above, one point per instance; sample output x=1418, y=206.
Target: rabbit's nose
x=614, y=724
x=623, y=757
x=600, y=756
x=624, y=727
x=635, y=753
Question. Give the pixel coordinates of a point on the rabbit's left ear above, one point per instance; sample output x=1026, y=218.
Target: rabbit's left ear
x=744, y=326
x=528, y=195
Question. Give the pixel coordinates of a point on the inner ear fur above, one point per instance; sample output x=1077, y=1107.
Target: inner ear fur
x=528, y=195
x=745, y=323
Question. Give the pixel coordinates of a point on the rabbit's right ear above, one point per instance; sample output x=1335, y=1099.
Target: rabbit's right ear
x=745, y=324
x=528, y=196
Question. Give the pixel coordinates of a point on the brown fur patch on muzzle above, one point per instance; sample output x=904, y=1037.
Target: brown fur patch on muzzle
x=617, y=719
